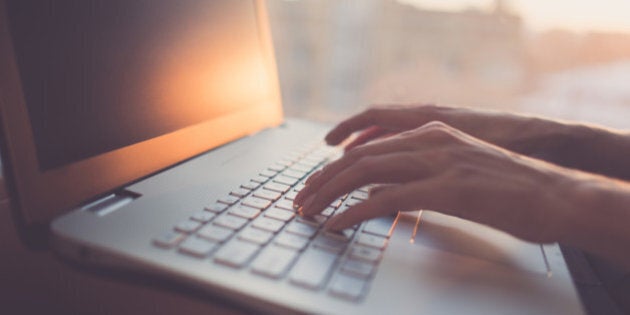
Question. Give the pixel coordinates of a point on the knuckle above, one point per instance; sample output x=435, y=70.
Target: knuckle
x=434, y=112
x=438, y=130
x=355, y=153
x=465, y=171
x=436, y=124
x=366, y=164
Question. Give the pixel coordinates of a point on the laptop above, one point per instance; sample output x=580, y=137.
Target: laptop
x=148, y=136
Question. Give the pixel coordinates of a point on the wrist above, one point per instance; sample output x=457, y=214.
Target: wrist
x=566, y=144
x=598, y=218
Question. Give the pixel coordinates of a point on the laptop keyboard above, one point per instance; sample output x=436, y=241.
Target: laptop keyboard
x=256, y=227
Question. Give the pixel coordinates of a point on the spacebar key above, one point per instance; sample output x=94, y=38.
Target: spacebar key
x=313, y=269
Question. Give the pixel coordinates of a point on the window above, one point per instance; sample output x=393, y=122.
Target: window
x=565, y=58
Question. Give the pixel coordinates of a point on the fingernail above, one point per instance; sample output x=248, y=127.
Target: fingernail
x=307, y=204
x=312, y=177
x=299, y=198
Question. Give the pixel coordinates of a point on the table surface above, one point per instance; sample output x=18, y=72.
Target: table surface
x=37, y=282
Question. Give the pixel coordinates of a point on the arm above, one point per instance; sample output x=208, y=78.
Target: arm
x=601, y=220
x=443, y=169
x=584, y=147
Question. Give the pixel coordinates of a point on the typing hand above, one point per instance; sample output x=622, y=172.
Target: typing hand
x=441, y=168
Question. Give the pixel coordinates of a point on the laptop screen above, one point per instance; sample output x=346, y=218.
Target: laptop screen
x=101, y=75
x=97, y=94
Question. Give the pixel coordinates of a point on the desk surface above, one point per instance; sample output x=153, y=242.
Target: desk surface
x=38, y=283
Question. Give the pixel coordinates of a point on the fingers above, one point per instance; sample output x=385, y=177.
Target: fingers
x=388, y=168
x=383, y=117
x=424, y=194
x=367, y=135
x=428, y=137
x=381, y=188
x=315, y=181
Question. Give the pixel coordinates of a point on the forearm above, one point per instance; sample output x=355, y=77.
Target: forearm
x=599, y=219
x=602, y=151
x=587, y=148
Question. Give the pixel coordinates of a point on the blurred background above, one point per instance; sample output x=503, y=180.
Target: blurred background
x=567, y=59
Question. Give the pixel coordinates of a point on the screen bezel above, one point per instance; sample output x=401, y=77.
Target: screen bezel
x=37, y=197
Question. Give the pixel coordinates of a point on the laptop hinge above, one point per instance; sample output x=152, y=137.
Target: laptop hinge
x=111, y=203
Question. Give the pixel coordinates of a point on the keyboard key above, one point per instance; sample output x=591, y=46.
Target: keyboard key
x=281, y=188
x=286, y=162
x=353, y=202
x=299, y=187
x=217, y=207
x=301, y=229
x=256, y=236
x=370, y=240
x=359, y=195
x=215, y=233
x=268, y=224
x=342, y=209
x=331, y=244
x=315, y=220
x=294, y=173
x=312, y=269
x=279, y=214
x=343, y=235
x=285, y=204
x=309, y=163
x=274, y=262
x=203, y=216
x=187, y=226
x=291, y=195
x=337, y=203
x=229, y=200
x=168, y=239
x=268, y=173
x=291, y=241
x=285, y=180
x=365, y=189
x=236, y=253
x=307, y=160
x=267, y=194
x=230, y=222
x=259, y=179
x=240, y=192
x=298, y=153
x=279, y=167
x=328, y=211
x=197, y=247
x=244, y=212
x=348, y=288
x=379, y=226
x=301, y=168
x=365, y=253
x=256, y=203
x=250, y=185
x=357, y=268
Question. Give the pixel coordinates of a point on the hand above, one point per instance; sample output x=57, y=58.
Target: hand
x=543, y=138
x=440, y=168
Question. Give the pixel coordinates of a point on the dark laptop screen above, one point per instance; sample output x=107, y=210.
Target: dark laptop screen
x=99, y=75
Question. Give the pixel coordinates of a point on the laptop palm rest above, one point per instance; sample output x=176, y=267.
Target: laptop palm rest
x=462, y=237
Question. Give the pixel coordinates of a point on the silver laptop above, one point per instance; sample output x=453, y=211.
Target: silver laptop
x=148, y=136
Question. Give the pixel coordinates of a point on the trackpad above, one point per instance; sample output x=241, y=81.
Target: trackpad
x=471, y=239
